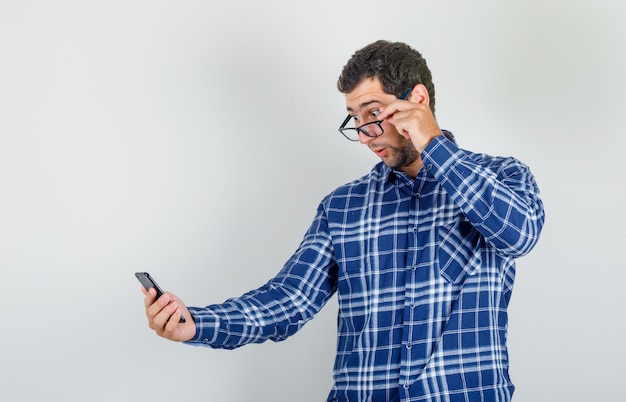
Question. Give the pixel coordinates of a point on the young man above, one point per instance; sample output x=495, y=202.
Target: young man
x=420, y=252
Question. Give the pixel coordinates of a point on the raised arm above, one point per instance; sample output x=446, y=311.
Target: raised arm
x=498, y=196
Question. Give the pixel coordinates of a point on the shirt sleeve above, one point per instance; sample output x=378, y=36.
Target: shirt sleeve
x=498, y=196
x=282, y=306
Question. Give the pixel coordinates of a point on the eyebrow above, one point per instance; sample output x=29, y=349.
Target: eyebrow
x=363, y=105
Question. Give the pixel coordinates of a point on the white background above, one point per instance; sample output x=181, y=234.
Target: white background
x=194, y=140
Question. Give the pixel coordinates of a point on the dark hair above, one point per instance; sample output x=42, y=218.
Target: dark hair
x=395, y=64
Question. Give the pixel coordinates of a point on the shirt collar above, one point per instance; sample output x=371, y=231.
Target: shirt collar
x=394, y=177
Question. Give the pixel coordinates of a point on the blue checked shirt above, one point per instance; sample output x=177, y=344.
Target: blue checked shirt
x=423, y=270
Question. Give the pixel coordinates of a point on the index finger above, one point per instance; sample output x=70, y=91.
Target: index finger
x=395, y=106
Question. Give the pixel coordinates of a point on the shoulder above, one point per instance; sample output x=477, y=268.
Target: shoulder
x=501, y=165
x=359, y=188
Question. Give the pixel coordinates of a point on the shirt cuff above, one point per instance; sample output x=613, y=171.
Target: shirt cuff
x=439, y=154
x=207, y=324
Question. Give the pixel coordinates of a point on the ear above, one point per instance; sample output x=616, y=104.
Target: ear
x=419, y=94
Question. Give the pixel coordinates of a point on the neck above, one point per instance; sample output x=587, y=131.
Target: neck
x=413, y=168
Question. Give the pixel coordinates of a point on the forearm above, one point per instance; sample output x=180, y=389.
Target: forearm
x=245, y=320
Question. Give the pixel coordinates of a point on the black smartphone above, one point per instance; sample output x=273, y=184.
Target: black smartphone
x=147, y=282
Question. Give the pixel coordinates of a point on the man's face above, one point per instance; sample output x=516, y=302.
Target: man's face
x=395, y=150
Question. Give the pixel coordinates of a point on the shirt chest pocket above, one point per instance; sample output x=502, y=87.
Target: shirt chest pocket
x=458, y=250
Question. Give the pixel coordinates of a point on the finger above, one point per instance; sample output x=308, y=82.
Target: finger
x=387, y=111
x=150, y=296
x=183, y=309
x=167, y=320
x=174, y=319
x=404, y=122
x=154, y=308
x=158, y=316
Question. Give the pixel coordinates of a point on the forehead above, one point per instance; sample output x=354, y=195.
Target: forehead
x=367, y=92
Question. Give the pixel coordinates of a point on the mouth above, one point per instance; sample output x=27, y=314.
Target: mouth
x=380, y=152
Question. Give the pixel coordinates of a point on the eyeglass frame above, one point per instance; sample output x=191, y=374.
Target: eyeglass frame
x=360, y=129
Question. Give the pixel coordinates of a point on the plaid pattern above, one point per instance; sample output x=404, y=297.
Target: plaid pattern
x=423, y=270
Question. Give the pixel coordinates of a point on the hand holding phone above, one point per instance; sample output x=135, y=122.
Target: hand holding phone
x=147, y=282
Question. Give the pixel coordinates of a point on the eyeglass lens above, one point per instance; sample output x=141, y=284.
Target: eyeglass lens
x=372, y=129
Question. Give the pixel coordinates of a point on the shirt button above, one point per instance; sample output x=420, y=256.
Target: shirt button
x=406, y=385
x=417, y=195
x=205, y=340
x=429, y=166
x=409, y=346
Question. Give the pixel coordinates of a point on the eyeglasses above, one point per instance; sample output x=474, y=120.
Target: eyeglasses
x=372, y=129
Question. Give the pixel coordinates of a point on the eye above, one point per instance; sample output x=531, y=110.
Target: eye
x=375, y=112
x=355, y=118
